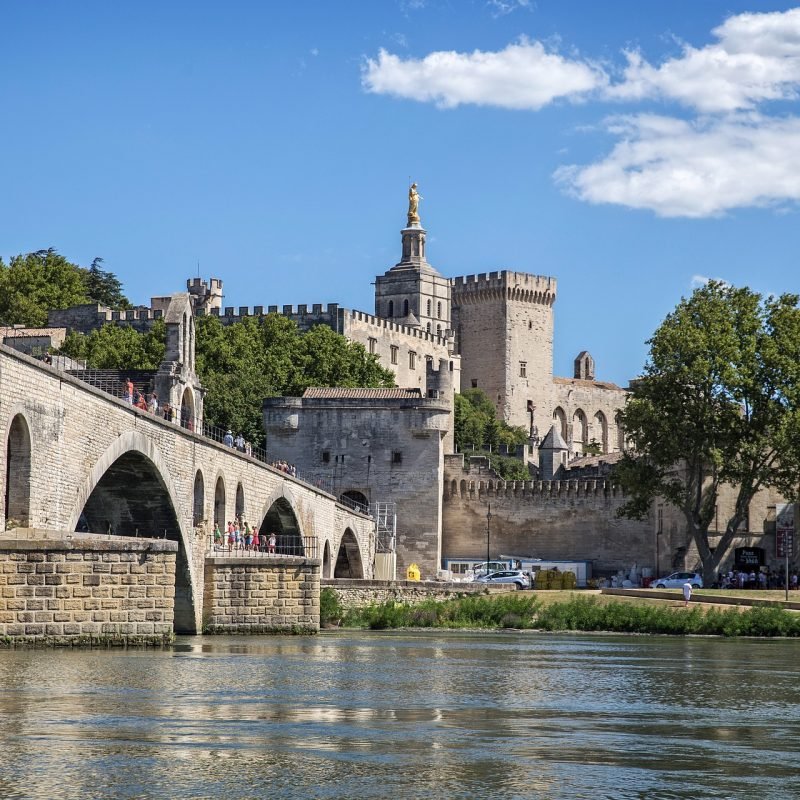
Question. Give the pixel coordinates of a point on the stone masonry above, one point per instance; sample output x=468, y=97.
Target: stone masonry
x=261, y=595
x=85, y=590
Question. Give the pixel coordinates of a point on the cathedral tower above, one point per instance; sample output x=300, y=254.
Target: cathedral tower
x=412, y=292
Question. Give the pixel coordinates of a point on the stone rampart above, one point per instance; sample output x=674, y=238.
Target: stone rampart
x=552, y=520
x=357, y=594
x=276, y=594
x=85, y=589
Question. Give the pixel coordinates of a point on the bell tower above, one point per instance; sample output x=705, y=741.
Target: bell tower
x=412, y=292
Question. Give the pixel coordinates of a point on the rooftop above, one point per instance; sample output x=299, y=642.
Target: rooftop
x=338, y=393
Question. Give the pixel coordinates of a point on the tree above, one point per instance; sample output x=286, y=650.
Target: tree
x=719, y=403
x=104, y=287
x=118, y=347
x=34, y=283
x=476, y=425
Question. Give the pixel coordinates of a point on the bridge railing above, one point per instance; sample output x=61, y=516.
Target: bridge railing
x=222, y=435
x=285, y=545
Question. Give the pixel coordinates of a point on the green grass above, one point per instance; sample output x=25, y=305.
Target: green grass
x=525, y=611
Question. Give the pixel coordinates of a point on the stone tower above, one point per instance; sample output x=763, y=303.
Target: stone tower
x=503, y=322
x=412, y=292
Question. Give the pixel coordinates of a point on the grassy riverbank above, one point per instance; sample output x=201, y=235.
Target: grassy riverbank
x=574, y=612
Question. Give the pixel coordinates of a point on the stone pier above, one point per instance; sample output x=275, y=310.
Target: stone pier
x=261, y=594
x=58, y=588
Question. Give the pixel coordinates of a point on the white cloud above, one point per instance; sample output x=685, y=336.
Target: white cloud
x=503, y=7
x=522, y=76
x=756, y=59
x=680, y=168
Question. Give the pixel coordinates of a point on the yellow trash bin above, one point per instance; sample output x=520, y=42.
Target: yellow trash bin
x=412, y=573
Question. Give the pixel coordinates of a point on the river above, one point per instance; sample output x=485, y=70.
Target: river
x=404, y=715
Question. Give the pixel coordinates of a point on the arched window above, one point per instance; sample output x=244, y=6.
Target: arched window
x=579, y=431
x=390, y=311
x=438, y=330
x=438, y=310
x=428, y=327
x=199, y=499
x=405, y=308
x=600, y=432
x=560, y=420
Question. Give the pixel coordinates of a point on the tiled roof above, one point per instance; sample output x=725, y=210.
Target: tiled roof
x=323, y=393
x=594, y=461
x=590, y=384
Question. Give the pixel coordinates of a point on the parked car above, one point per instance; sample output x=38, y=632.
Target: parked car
x=486, y=567
x=677, y=579
x=514, y=576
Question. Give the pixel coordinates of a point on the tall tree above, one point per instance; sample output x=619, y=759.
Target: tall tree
x=34, y=283
x=719, y=403
x=104, y=287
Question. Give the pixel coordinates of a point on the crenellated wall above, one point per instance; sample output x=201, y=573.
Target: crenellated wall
x=558, y=520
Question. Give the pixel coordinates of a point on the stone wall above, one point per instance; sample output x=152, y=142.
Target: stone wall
x=551, y=520
x=85, y=590
x=261, y=595
x=356, y=594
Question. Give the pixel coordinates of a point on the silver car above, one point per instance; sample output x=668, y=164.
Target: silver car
x=677, y=579
x=515, y=576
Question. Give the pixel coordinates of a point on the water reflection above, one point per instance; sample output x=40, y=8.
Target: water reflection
x=403, y=715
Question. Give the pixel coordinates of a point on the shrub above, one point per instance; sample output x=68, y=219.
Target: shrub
x=330, y=608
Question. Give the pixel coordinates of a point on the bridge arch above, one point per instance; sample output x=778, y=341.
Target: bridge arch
x=133, y=478
x=348, y=560
x=17, y=490
x=326, y=560
x=240, y=515
x=219, y=502
x=355, y=498
x=198, y=499
x=279, y=516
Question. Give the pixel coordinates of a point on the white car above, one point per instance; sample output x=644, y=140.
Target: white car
x=677, y=579
x=514, y=576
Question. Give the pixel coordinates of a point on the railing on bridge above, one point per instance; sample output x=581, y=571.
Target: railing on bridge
x=225, y=437
x=285, y=545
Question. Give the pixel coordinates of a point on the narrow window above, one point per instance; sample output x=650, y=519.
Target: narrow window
x=474, y=383
x=373, y=345
x=438, y=330
x=438, y=310
x=428, y=307
x=523, y=369
x=397, y=457
x=326, y=456
x=428, y=327
x=405, y=308
x=394, y=349
x=390, y=312
x=412, y=359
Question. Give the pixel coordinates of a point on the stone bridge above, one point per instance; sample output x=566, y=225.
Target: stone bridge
x=77, y=459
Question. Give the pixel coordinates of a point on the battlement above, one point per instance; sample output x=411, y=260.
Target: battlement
x=407, y=330
x=504, y=284
x=480, y=490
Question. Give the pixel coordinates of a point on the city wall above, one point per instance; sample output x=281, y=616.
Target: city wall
x=85, y=589
x=551, y=520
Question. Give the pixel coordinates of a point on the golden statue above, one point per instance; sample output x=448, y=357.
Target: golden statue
x=413, y=205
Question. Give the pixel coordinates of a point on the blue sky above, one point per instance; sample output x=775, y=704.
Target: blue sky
x=627, y=148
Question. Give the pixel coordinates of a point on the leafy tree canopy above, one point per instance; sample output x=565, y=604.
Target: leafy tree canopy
x=477, y=426
x=34, y=283
x=719, y=403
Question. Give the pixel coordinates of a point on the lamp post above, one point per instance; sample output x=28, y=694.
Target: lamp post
x=488, y=533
